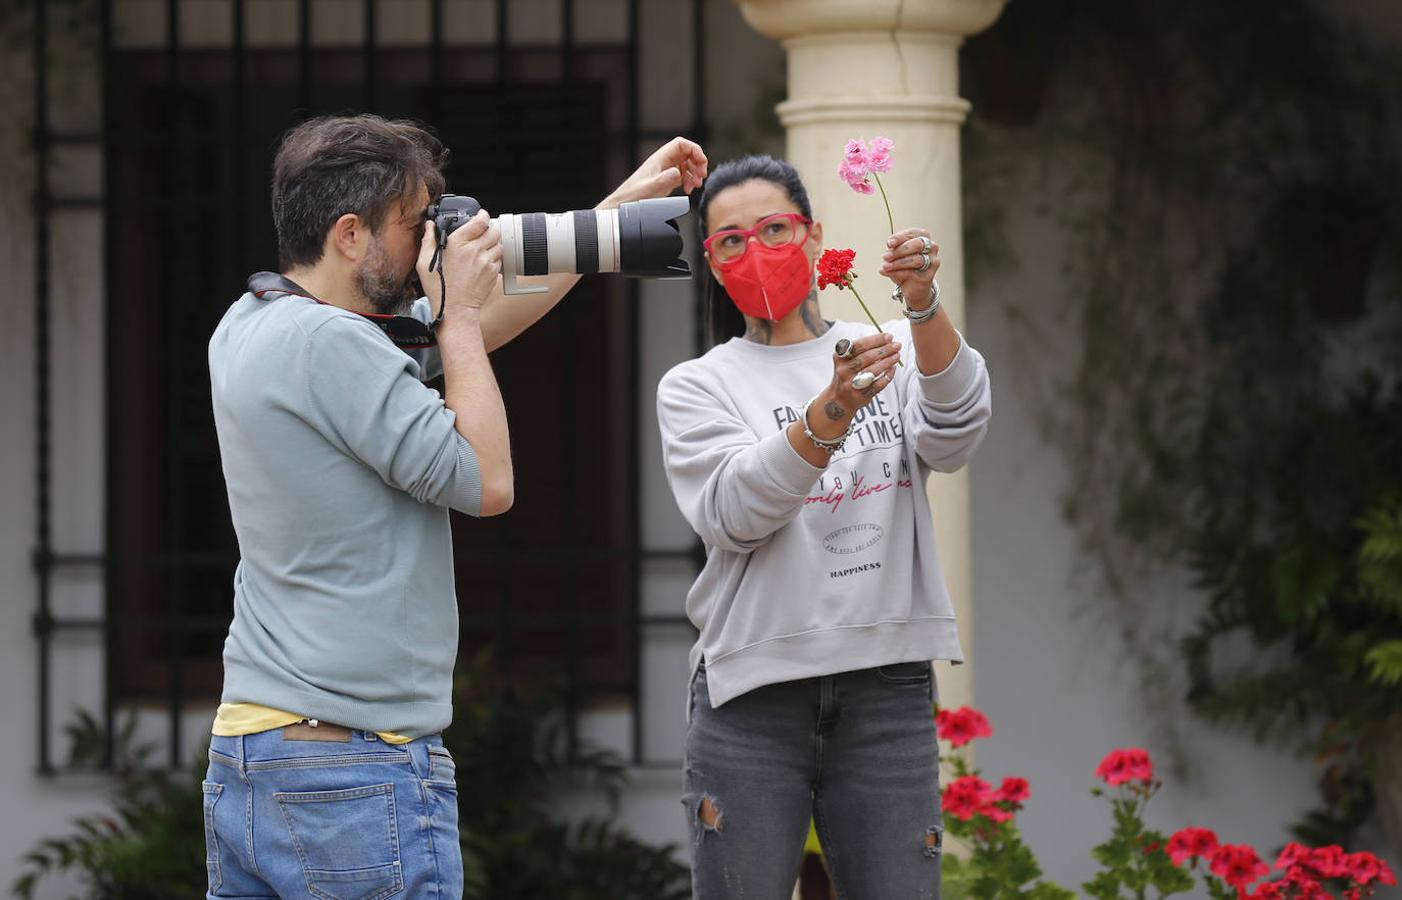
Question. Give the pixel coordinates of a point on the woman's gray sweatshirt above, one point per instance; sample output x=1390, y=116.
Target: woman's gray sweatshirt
x=814, y=571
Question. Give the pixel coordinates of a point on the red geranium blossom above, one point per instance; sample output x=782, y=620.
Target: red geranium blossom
x=1365, y=868
x=1238, y=865
x=835, y=268
x=1013, y=790
x=1188, y=843
x=1293, y=854
x=962, y=725
x=1329, y=862
x=1268, y=890
x=1129, y=764
x=964, y=797
x=1304, y=888
x=997, y=813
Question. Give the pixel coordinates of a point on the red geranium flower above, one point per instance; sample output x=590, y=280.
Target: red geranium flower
x=1120, y=766
x=997, y=813
x=1292, y=855
x=1268, y=890
x=964, y=797
x=1188, y=843
x=1238, y=865
x=1365, y=868
x=1329, y=862
x=835, y=268
x=962, y=725
x=1013, y=790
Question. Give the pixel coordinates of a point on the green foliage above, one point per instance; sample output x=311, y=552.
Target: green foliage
x=1133, y=860
x=1236, y=406
x=511, y=747
x=152, y=843
x=1385, y=661
x=512, y=759
x=997, y=870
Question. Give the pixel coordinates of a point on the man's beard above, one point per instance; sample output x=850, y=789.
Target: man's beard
x=386, y=291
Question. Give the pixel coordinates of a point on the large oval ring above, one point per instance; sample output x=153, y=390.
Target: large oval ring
x=927, y=244
x=843, y=348
x=863, y=381
x=925, y=262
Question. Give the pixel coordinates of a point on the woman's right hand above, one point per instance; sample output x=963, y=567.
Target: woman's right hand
x=471, y=263
x=832, y=412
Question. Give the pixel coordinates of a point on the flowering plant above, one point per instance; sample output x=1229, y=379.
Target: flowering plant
x=1135, y=860
x=999, y=863
x=835, y=268
x=862, y=163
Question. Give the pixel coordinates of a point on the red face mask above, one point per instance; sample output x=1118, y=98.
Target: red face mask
x=769, y=282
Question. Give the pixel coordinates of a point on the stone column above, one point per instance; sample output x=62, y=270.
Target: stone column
x=861, y=68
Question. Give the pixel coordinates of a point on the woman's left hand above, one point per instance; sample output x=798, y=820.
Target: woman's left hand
x=911, y=261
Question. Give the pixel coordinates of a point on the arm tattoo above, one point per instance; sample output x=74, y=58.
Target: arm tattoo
x=758, y=330
x=834, y=412
x=812, y=317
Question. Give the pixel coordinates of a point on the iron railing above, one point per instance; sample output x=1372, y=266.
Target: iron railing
x=174, y=560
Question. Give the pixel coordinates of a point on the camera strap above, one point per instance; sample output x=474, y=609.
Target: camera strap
x=405, y=332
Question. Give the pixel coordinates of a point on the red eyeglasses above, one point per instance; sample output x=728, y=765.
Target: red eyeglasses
x=727, y=246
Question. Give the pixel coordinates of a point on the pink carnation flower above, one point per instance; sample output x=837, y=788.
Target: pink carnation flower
x=880, y=154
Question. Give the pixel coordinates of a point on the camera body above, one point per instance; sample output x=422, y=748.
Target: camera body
x=640, y=238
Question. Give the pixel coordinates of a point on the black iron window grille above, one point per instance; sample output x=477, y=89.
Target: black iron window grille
x=186, y=137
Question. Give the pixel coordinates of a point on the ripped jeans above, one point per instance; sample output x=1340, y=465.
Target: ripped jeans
x=855, y=751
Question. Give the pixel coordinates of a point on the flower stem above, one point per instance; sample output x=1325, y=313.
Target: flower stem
x=889, y=220
x=853, y=288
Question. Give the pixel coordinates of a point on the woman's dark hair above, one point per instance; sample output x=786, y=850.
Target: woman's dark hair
x=334, y=165
x=723, y=320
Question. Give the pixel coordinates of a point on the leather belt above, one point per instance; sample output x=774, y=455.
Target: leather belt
x=315, y=730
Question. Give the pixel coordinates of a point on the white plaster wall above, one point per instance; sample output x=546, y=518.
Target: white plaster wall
x=33, y=805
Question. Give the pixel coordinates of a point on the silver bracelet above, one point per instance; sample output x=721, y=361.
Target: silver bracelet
x=919, y=316
x=831, y=446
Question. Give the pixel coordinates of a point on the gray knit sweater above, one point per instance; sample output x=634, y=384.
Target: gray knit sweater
x=341, y=466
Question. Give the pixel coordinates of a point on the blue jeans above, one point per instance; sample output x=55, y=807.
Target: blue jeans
x=856, y=752
x=356, y=820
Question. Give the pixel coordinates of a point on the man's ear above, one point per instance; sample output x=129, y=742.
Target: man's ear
x=349, y=237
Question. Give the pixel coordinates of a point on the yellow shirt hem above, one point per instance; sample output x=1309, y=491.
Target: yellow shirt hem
x=239, y=719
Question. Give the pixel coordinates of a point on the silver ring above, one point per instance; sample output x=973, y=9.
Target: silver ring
x=926, y=241
x=843, y=348
x=924, y=266
x=863, y=380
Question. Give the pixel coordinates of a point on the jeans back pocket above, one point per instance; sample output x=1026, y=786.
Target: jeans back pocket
x=347, y=840
x=212, y=792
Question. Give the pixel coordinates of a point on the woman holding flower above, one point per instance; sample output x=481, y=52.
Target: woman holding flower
x=799, y=452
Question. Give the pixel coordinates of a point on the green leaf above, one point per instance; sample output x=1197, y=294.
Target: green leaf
x=1385, y=663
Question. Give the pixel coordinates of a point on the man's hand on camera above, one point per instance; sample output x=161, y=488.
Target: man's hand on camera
x=470, y=263
x=679, y=163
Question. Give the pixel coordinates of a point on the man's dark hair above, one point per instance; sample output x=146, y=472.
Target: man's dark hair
x=334, y=165
x=723, y=320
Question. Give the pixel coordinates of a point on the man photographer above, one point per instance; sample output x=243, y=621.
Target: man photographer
x=327, y=776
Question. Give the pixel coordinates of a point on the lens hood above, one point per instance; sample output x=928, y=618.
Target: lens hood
x=649, y=242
